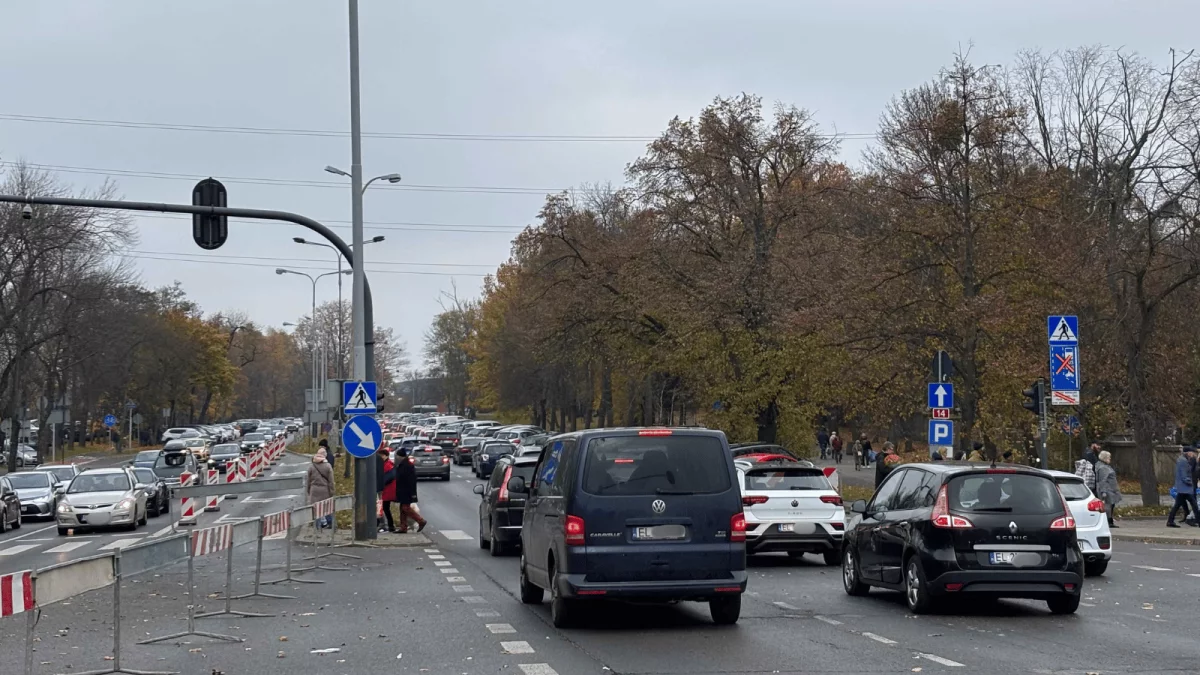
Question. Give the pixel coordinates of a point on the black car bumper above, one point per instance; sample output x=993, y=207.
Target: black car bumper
x=1015, y=583
x=506, y=524
x=577, y=586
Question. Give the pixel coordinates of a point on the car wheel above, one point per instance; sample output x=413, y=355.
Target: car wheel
x=562, y=610
x=483, y=542
x=1064, y=604
x=832, y=558
x=530, y=594
x=446, y=477
x=725, y=611
x=494, y=546
x=17, y=525
x=142, y=521
x=916, y=591
x=851, y=579
x=1095, y=569
x=62, y=531
x=4, y=522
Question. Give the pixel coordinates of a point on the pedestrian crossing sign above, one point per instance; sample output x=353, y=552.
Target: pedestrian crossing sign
x=1062, y=330
x=358, y=398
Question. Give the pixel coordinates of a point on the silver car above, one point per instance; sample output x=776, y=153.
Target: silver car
x=102, y=498
x=36, y=490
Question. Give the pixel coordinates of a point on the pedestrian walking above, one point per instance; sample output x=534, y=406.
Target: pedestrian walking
x=823, y=442
x=324, y=443
x=885, y=463
x=858, y=455
x=1093, y=454
x=1106, y=483
x=866, y=449
x=1087, y=472
x=937, y=456
x=386, y=479
x=406, y=492
x=1185, y=485
x=320, y=484
x=835, y=444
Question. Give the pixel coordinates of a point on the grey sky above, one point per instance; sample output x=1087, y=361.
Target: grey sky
x=615, y=68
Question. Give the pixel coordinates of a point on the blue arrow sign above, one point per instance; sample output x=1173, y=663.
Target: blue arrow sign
x=941, y=395
x=1062, y=330
x=358, y=398
x=362, y=436
x=110, y=420
x=941, y=432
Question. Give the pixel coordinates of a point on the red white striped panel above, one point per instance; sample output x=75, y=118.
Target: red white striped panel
x=212, y=540
x=16, y=593
x=231, y=473
x=275, y=523
x=323, y=508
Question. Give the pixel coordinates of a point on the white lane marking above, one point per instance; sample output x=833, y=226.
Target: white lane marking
x=1177, y=550
x=464, y=589
x=120, y=543
x=1194, y=575
x=42, y=539
x=442, y=563
x=879, y=638
x=161, y=532
x=431, y=550
x=831, y=622
x=486, y=613
x=455, y=580
x=14, y=550
x=537, y=669
x=68, y=547
x=437, y=557
x=458, y=535
x=1086, y=604
x=1152, y=568
x=516, y=647
x=937, y=659
x=497, y=628
x=448, y=570
x=474, y=600
x=29, y=534
x=784, y=605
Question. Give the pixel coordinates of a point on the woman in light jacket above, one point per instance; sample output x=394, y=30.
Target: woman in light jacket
x=1106, y=485
x=319, y=486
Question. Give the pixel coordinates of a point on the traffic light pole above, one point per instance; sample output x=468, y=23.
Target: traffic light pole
x=364, y=481
x=1043, y=426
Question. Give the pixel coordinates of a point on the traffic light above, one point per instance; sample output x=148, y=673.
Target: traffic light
x=1037, y=398
x=209, y=231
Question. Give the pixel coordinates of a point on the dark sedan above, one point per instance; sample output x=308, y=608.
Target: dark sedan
x=222, y=456
x=462, y=454
x=10, y=506
x=430, y=462
x=483, y=459
x=501, y=512
x=158, y=493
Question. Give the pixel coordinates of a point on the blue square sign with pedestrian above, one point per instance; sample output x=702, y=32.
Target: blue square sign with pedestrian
x=358, y=398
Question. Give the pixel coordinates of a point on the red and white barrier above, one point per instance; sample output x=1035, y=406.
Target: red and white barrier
x=214, y=501
x=187, y=511
x=831, y=473
x=276, y=523
x=212, y=540
x=323, y=508
x=16, y=593
x=242, y=470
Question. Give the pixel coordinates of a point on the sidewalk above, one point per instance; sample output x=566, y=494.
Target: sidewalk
x=1155, y=530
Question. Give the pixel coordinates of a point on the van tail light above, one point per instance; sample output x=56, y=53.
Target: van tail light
x=504, y=489
x=654, y=432
x=942, y=516
x=1096, y=506
x=832, y=499
x=737, y=527
x=574, y=531
x=751, y=500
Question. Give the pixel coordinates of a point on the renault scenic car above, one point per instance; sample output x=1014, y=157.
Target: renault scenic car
x=650, y=514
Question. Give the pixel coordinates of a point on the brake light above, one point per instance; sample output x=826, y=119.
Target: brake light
x=737, y=527
x=574, y=531
x=1067, y=522
x=1002, y=471
x=445, y=460
x=831, y=499
x=622, y=460
x=654, y=432
x=942, y=516
x=504, y=484
x=751, y=500
x=1096, y=506
x=954, y=587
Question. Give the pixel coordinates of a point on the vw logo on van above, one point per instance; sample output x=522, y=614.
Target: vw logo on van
x=658, y=506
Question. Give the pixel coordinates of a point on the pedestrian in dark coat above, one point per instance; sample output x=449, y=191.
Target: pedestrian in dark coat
x=1185, y=486
x=885, y=463
x=324, y=443
x=406, y=492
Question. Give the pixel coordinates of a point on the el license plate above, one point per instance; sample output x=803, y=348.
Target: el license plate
x=787, y=527
x=660, y=533
x=1002, y=557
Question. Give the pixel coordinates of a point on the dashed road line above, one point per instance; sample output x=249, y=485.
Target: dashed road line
x=879, y=638
x=120, y=543
x=785, y=605
x=68, y=547
x=516, y=647
x=448, y=570
x=431, y=550
x=938, y=659
x=497, y=628
x=14, y=550
x=831, y=622
x=455, y=580
x=537, y=669
x=464, y=589
x=436, y=556
x=442, y=563
x=474, y=600
x=486, y=613
x=456, y=535
x=1152, y=568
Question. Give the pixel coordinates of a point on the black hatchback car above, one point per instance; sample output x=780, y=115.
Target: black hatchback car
x=501, y=511
x=633, y=514
x=951, y=529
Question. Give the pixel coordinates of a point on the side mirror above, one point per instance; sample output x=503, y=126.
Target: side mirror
x=478, y=489
x=517, y=484
x=859, y=506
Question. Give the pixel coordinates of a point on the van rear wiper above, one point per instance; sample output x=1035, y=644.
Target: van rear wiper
x=662, y=491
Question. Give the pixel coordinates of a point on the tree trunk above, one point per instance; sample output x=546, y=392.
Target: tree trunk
x=1142, y=418
x=604, y=416
x=768, y=423
x=631, y=403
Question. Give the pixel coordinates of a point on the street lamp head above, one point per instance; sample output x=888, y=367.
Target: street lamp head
x=280, y=270
x=289, y=323
x=336, y=171
x=299, y=240
x=347, y=272
x=393, y=178
x=376, y=239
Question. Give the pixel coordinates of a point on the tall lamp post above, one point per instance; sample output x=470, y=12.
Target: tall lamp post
x=315, y=366
x=341, y=342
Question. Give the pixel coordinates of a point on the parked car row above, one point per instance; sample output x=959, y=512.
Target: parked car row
x=83, y=500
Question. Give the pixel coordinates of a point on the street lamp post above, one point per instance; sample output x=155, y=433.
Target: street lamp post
x=315, y=346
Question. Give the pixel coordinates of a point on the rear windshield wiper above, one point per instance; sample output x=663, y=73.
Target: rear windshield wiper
x=993, y=509
x=801, y=487
x=662, y=491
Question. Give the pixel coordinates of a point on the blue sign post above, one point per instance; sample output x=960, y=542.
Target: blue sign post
x=358, y=398
x=110, y=420
x=941, y=432
x=361, y=436
x=1062, y=332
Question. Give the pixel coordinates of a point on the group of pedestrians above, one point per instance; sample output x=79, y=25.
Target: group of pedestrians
x=1098, y=474
x=1187, y=475
x=395, y=483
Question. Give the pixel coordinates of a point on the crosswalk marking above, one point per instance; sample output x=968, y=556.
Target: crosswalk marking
x=120, y=543
x=456, y=535
x=13, y=550
x=68, y=547
x=1152, y=568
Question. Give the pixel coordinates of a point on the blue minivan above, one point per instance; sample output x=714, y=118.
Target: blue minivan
x=645, y=514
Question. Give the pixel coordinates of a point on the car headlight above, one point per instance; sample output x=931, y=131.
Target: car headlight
x=484, y=457
x=64, y=507
x=125, y=504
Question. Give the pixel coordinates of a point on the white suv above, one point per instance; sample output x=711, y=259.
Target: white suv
x=791, y=507
x=1091, y=522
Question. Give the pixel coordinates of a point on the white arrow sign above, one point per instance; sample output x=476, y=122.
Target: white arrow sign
x=364, y=440
x=940, y=393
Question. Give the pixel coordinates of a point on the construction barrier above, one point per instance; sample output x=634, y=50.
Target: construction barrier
x=230, y=537
x=16, y=593
x=214, y=501
x=297, y=518
x=270, y=525
x=323, y=509
x=242, y=472
x=202, y=542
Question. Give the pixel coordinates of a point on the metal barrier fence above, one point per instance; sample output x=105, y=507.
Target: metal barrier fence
x=29, y=592
x=330, y=507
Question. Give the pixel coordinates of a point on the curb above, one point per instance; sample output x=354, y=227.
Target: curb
x=414, y=540
x=1157, y=539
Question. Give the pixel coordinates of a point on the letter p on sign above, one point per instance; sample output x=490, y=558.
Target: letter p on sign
x=941, y=432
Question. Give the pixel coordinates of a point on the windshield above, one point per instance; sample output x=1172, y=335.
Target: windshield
x=194, y=443
x=1021, y=494
x=170, y=463
x=786, y=479
x=99, y=482
x=1074, y=490
x=226, y=450
x=639, y=465
x=145, y=475
x=446, y=434
x=499, y=449
x=146, y=456
x=254, y=437
x=22, y=481
x=63, y=474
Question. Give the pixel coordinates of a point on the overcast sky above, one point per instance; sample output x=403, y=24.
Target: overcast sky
x=617, y=68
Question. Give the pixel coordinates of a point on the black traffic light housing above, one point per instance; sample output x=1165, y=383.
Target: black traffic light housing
x=209, y=231
x=1036, y=394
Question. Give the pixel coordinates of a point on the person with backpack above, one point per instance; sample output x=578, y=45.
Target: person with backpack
x=835, y=444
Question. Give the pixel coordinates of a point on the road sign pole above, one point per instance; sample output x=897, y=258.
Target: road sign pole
x=1043, y=428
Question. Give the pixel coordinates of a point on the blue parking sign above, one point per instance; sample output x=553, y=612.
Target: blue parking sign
x=941, y=432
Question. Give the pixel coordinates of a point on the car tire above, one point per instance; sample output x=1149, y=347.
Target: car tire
x=725, y=611
x=562, y=610
x=1095, y=569
x=851, y=575
x=832, y=558
x=916, y=590
x=495, y=548
x=4, y=521
x=142, y=521
x=446, y=477
x=17, y=525
x=530, y=594
x=483, y=542
x=62, y=531
x=1064, y=604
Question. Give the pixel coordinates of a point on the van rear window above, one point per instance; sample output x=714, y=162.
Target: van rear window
x=786, y=479
x=641, y=465
x=1016, y=493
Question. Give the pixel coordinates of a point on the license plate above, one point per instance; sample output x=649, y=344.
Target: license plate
x=1003, y=557
x=787, y=527
x=660, y=533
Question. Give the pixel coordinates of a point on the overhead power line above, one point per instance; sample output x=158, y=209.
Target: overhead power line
x=308, y=260
x=372, y=225
x=267, y=268
x=322, y=133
